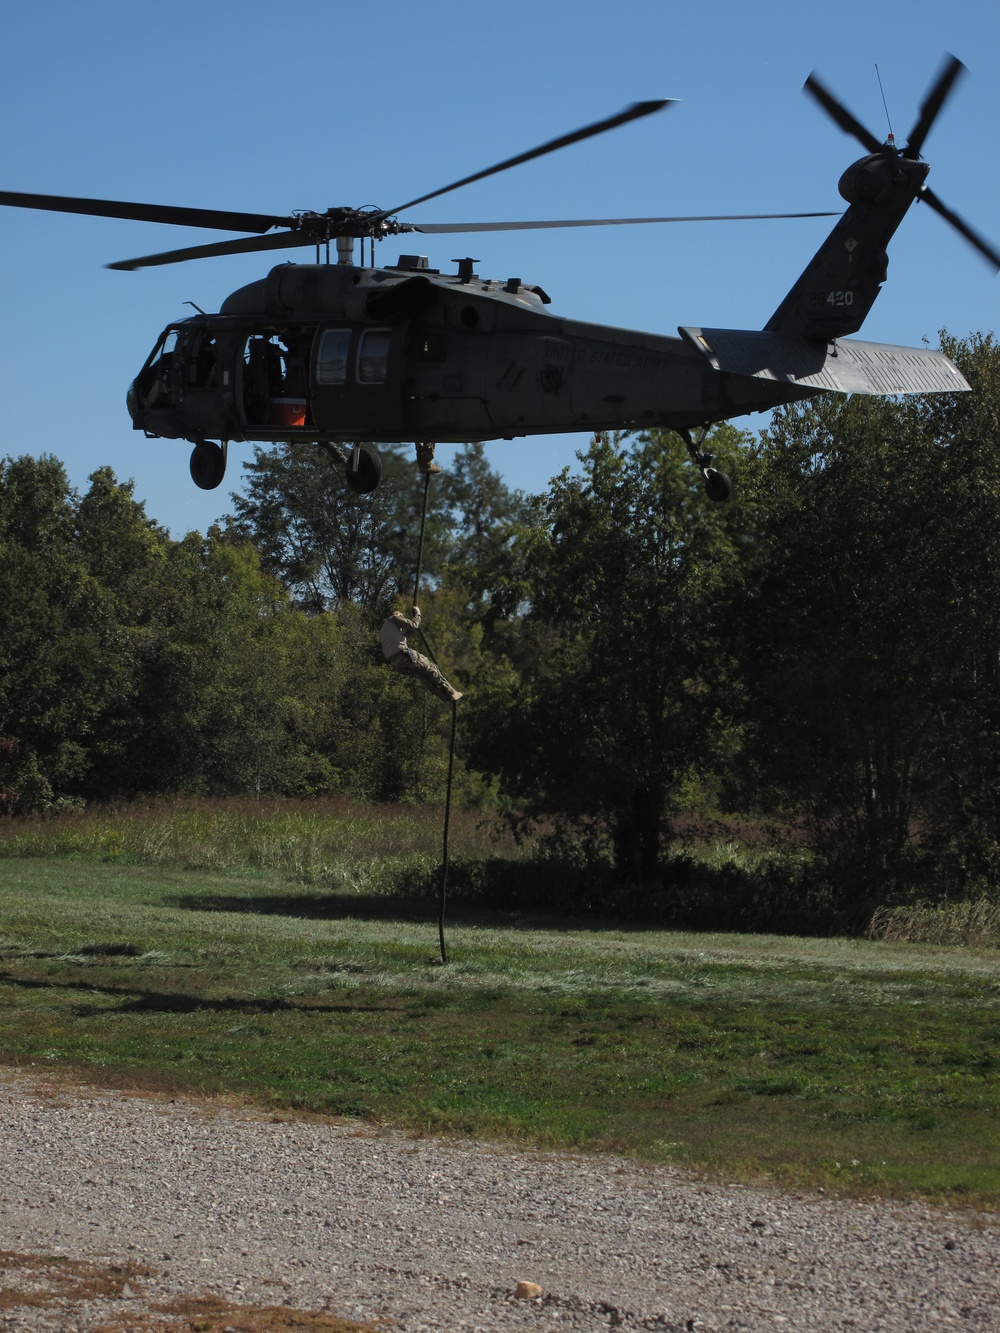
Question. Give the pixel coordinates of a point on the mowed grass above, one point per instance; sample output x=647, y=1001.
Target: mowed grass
x=850, y=1065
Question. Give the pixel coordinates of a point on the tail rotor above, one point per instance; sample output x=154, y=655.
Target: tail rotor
x=951, y=71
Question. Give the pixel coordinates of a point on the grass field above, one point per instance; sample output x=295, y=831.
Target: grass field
x=856, y=1066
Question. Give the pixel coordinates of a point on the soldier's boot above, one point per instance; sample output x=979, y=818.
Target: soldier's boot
x=425, y=458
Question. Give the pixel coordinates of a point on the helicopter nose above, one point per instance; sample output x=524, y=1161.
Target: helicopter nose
x=131, y=400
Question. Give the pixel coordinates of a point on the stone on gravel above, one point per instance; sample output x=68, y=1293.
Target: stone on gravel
x=527, y=1291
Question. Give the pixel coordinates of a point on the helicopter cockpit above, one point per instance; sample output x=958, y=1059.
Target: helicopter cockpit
x=212, y=378
x=151, y=394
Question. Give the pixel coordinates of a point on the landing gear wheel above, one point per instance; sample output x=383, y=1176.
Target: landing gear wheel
x=363, y=470
x=717, y=485
x=208, y=465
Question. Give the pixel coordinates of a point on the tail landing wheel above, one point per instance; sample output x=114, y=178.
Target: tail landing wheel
x=718, y=486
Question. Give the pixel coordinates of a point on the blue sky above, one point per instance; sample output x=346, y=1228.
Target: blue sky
x=312, y=103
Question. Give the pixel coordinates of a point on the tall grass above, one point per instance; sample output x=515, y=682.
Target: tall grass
x=329, y=842
x=336, y=845
x=975, y=924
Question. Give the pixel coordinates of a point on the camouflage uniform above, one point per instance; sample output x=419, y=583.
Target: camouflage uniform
x=402, y=658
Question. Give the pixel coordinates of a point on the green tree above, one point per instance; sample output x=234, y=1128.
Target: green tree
x=125, y=553
x=218, y=700
x=482, y=510
x=962, y=824
x=351, y=556
x=131, y=663
x=53, y=622
x=870, y=630
x=328, y=546
x=616, y=699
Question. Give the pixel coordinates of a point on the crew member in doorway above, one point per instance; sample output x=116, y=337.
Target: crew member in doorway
x=402, y=658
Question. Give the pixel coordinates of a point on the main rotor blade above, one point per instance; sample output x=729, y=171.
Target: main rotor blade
x=951, y=70
x=242, y=245
x=113, y=208
x=848, y=122
x=441, y=228
x=987, y=251
x=633, y=112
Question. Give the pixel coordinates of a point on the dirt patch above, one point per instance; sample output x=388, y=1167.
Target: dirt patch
x=54, y=1292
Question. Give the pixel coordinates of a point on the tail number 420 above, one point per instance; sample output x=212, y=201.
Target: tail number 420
x=831, y=298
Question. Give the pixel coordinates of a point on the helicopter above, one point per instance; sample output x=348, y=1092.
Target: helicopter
x=339, y=353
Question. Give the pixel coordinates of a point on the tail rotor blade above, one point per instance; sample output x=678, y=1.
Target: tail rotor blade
x=977, y=242
x=951, y=70
x=848, y=122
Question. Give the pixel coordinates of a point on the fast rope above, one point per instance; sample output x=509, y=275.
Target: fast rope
x=454, y=721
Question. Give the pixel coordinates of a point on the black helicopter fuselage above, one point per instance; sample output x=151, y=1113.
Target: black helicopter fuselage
x=337, y=353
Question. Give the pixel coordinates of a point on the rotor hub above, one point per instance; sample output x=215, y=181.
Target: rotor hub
x=875, y=179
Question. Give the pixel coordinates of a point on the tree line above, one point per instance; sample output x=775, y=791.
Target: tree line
x=823, y=653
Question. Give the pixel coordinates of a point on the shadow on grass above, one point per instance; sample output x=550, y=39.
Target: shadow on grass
x=137, y=1001
x=312, y=906
x=554, y=894
x=387, y=907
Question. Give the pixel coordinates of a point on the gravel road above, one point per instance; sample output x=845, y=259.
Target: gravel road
x=436, y=1235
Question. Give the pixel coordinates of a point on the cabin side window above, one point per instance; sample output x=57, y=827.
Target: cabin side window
x=331, y=359
x=373, y=356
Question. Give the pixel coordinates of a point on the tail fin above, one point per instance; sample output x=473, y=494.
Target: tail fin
x=838, y=288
